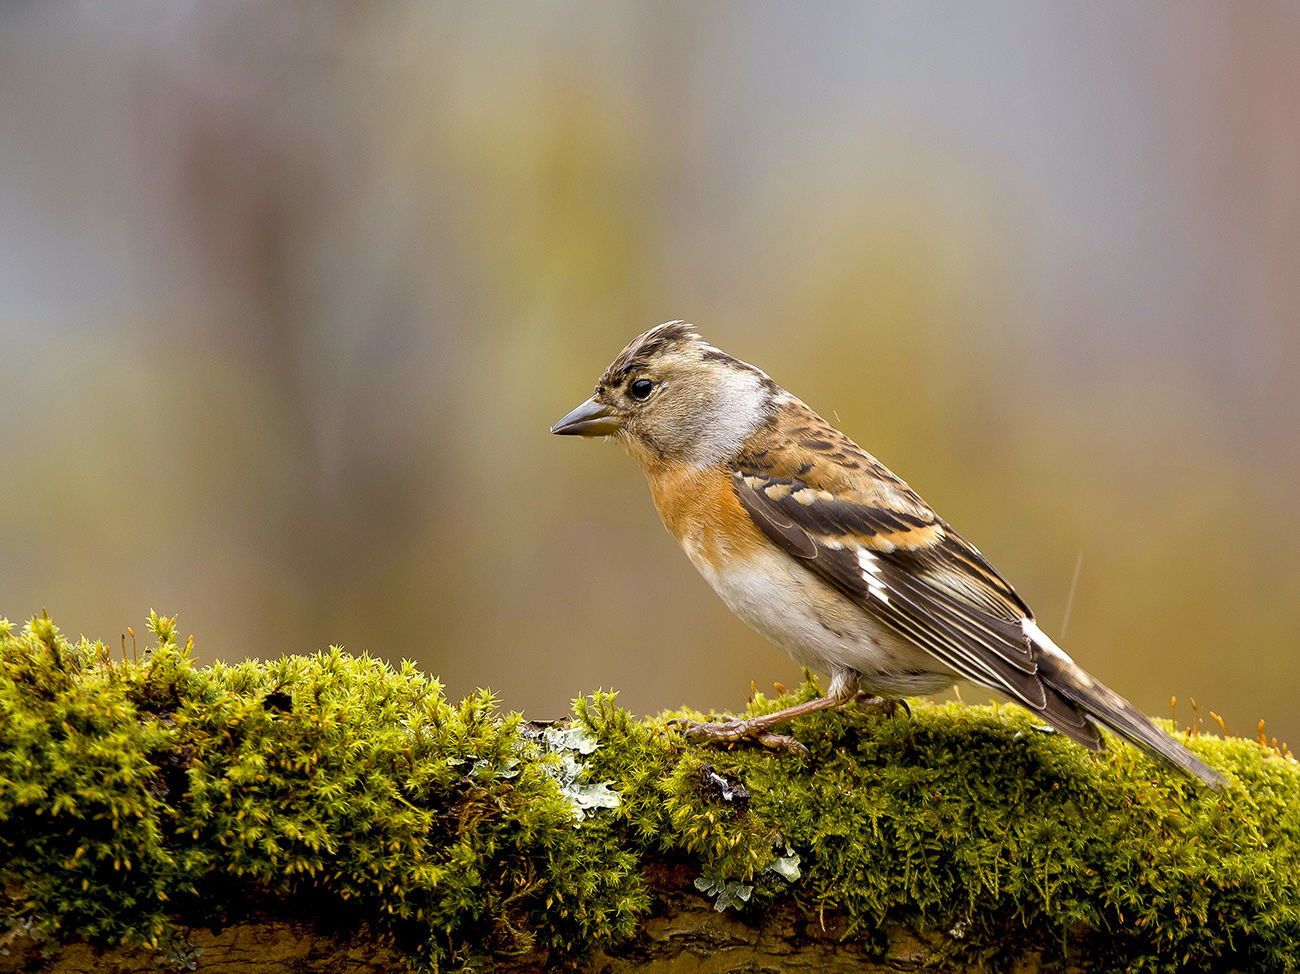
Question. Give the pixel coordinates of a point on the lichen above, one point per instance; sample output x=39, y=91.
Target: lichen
x=139, y=797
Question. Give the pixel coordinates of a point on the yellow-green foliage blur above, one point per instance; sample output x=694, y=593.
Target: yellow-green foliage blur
x=290, y=294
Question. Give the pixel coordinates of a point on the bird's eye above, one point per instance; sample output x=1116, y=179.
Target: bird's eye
x=640, y=389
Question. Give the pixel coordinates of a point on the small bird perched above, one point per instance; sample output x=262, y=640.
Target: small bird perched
x=820, y=548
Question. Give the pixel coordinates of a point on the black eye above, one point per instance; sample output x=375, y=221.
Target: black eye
x=640, y=389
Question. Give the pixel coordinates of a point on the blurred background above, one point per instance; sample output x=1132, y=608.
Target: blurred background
x=290, y=294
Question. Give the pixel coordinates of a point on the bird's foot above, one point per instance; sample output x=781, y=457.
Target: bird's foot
x=758, y=729
x=734, y=730
x=864, y=699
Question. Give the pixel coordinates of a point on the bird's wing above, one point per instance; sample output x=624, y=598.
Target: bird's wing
x=845, y=516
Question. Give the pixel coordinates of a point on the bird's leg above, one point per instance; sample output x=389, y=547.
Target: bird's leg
x=843, y=689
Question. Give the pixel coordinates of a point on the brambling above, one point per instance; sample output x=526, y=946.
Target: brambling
x=820, y=548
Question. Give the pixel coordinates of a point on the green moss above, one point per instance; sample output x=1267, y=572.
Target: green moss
x=138, y=796
x=131, y=792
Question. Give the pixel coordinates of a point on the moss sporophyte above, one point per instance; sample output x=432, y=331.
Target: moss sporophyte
x=142, y=797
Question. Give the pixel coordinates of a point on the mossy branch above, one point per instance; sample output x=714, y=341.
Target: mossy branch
x=151, y=807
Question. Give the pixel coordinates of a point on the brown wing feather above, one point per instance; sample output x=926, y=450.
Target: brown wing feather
x=827, y=502
x=967, y=640
x=859, y=495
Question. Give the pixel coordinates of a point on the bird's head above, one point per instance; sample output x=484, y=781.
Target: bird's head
x=670, y=398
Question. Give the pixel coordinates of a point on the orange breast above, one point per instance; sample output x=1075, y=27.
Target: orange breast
x=702, y=511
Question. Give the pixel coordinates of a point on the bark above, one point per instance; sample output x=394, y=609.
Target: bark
x=682, y=934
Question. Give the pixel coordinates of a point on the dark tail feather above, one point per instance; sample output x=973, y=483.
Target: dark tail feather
x=1070, y=720
x=1108, y=709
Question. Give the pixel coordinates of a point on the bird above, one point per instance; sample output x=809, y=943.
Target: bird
x=820, y=548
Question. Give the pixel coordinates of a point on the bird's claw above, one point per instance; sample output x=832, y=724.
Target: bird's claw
x=732, y=731
x=735, y=729
x=864, y=699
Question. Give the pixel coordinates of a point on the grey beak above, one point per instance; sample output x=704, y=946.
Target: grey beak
x=590, y=419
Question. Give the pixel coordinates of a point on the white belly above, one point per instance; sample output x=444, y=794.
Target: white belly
x=786, y=603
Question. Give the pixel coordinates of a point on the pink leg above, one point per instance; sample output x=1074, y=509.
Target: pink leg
x=759, y=728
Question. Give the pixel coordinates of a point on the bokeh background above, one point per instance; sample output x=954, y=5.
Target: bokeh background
x=290, y=294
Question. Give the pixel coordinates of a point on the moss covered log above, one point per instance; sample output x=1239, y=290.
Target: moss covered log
x=259, y=816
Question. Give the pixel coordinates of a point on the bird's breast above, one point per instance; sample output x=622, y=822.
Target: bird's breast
x=775, y=594
x=702, y=511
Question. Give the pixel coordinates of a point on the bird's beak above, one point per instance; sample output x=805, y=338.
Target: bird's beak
x=592, y=418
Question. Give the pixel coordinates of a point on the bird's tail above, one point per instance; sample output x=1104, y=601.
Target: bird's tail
x=1106, y=708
